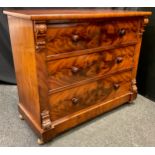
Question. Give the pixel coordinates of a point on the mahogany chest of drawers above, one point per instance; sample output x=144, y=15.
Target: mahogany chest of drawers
x=72, y=65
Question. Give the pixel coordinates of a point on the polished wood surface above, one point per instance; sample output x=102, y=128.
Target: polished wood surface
x=21, y=32
x=63, y=38
x=75, y=99
x=66, y=71
x=73, y=65
x=59, y=14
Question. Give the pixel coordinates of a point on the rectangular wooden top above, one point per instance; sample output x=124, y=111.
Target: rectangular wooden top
x=56, y=14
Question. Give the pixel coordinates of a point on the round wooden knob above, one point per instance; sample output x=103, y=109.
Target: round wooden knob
x=75, y=100
x=122, y=32
x=119, y=60
x=75, y=37
x=116, y=86
x=75, y=69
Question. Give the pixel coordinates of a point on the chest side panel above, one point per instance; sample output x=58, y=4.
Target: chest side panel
x=22, y=41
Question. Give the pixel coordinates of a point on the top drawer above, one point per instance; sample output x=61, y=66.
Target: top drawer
x=63, y=38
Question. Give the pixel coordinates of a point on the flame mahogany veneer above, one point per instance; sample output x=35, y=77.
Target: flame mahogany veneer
x=73, y=65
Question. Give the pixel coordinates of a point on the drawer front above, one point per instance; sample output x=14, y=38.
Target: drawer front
x=67, y=71
x=72, y=100
x=63, y=38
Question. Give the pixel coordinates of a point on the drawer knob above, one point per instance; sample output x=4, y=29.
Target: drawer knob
x=75, y=69
x=116, y=86
x=75, y=100
x=75, y=37
x=119, y=60
x=122, y=32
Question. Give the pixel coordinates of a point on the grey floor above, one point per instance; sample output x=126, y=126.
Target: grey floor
x=128, y=125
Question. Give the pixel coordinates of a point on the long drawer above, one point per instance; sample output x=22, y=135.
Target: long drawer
x=64, y=38
x=72, y=100
x=64, y=72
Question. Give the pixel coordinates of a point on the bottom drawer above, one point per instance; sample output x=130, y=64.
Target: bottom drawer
x=72, y=100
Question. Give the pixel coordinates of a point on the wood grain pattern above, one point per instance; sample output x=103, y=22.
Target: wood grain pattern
x=70, y=70
x=72, y=37
x=72, y=100
x=72, y=65
x=88, y=51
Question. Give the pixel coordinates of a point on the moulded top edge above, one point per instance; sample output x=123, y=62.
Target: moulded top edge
x=56, y=14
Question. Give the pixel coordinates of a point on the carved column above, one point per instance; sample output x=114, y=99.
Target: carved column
x=143, y=23
x=134, y=90
x=46, y=122
x=40, y=35
x=40, y=29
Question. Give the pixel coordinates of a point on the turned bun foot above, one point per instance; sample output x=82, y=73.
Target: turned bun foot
x=40, y=141
x=21, y=117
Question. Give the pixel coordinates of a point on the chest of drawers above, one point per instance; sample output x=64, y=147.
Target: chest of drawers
x=73, y=65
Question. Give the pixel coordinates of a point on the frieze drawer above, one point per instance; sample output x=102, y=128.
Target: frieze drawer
x=63, y=38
